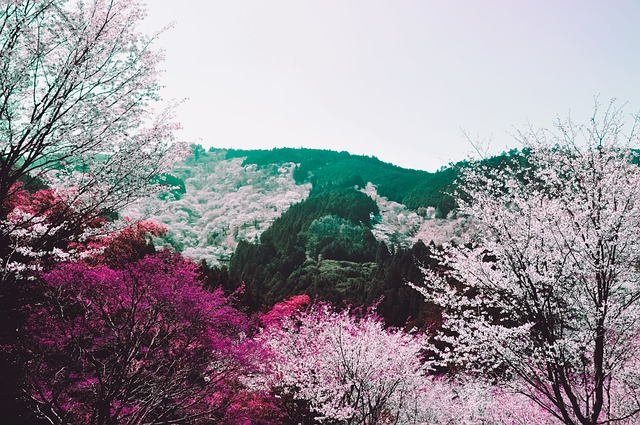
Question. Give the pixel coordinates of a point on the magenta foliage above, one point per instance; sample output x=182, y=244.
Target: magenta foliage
x=141, y=344
x=284, y=309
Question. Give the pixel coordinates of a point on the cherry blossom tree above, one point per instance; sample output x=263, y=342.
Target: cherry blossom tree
x=547, y=299
x=77, y=85
x=463, y=401
x=42, y=229
x=135, y=345
x=348, y=370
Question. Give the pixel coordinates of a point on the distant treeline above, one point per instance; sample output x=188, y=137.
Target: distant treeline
x=327, y=169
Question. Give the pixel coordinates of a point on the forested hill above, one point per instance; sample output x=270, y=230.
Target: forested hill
x=329, y=169
x=343, y=228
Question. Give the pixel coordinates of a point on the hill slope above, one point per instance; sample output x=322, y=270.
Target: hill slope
x=323, y=168
x=336, y=226
x=219, y=202
x=223, y=197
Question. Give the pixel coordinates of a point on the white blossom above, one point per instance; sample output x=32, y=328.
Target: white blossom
x=549, y=290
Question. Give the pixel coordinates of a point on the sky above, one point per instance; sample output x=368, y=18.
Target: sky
x=400, y=80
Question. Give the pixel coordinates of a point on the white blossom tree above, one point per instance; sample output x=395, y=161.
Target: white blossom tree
x=547, y=299
x=77, y=85
x=350, y=370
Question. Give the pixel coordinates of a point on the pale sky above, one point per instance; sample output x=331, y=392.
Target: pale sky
x=400, y=80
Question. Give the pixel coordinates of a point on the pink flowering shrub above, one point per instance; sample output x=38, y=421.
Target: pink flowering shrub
x=284, y=310
x=140, y=344
x=328, y=366
x=129, y=244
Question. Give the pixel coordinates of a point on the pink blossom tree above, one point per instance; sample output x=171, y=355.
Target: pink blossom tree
x=549, y=295
x=347, y=369
x=135, y=345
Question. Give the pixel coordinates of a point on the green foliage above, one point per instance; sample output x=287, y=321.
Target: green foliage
x=271, y=275
x=334, y=238
x=346, y=203
x=33, y=184
x=266, y=267
x=340, y=282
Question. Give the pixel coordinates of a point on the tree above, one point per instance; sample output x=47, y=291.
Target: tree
x=42, y=229
x=346, y=370
x=77, y=83
x=547, y=299
x=334, y=238
x=135, y=345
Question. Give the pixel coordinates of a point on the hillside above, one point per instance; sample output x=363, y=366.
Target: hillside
x=345, y=228
x=222, y=197
x=218, y=202
x=324, y=168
